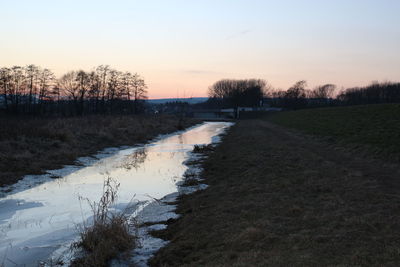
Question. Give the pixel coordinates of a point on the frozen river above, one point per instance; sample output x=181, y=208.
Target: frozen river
x=38, y=220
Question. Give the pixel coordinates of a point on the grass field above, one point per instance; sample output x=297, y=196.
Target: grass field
x=375, y=126
x=33, y=145
x=279, y=198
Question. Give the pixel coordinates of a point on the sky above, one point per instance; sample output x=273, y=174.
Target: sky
x=181, y=47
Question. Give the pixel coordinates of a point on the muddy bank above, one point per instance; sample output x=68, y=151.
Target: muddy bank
x=32, y=145
x=157, y=215
x=276, y=198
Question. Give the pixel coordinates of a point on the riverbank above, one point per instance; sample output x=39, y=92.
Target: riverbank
x=34, y=145
x=279, y=198
x=41, y=222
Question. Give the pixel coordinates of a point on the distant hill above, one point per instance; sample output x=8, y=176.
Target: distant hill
x=192, y=100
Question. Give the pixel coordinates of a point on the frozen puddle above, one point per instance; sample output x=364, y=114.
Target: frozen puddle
x=40, y=216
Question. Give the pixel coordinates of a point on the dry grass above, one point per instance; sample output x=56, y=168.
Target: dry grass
x=278, y=199
x=376, y=127
x=190, y=179
x=111, y=233
x=32, y=145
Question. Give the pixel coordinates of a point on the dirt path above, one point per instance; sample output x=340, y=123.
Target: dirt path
x=277, y=198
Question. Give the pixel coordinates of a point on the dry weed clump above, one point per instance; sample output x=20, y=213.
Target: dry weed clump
x=110, y=235
x=203, y=148
x=190, y=179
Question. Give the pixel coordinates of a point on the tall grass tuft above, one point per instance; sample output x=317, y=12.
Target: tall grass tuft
x=110, y=235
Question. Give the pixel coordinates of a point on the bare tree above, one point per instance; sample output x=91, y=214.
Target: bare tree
x=324, y=91
x=68, y=82
x=113, y=84
x=5, y=80
x=83, y=82
x=32, y=76
x=46, y=79
x=235, y=93
x=94, y=89
x=17, y=86
x=139, y=90
x=69, y=86
x=295, y=96
x=103, y=73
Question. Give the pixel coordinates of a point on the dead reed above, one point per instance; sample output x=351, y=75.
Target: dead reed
x=111, y=234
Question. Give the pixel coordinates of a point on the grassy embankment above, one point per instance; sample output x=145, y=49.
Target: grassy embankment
x=374, y=128
x=279, y=198
x=33, y=145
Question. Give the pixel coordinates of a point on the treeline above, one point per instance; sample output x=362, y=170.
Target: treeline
x=326, y=95
x=298, y=96
x=235, y=93
x=257, y=93
x=36, y=91
x=387, y=92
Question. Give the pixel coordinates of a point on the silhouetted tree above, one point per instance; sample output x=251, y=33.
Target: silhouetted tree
x=295, y=96
x=375, y=93
x=139, y=90
x=33, y=90
x=236, y=93
x=32, y=76
x=5, y=81
x=17, y=87
x=324, y=91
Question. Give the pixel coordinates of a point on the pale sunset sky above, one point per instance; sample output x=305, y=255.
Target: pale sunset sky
x=181, y=47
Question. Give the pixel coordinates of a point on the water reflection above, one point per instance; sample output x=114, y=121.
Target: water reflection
x=134, y=160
